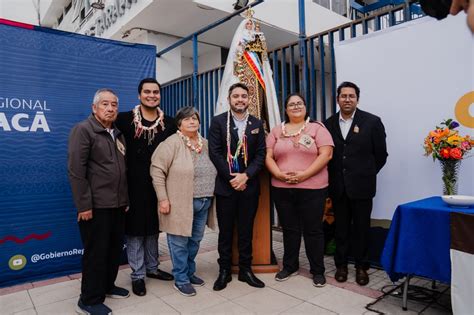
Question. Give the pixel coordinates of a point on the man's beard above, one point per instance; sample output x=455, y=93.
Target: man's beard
x=150, y=107
x=237, y=110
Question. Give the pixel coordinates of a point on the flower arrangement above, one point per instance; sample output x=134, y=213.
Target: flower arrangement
x=446, y=145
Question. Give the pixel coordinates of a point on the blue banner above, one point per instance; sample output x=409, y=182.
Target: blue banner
x=48, y=79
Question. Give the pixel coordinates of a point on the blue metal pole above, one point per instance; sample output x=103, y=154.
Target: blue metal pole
x=205, y=110
x=200, y=106
x=377, y=23
x=284, y=81
x=312, y=80
x=323, y=78
x=303, y=50
x=195, y=71
x=365, y=26
x=408, y=12
x=391, y=18
x=333, y=75
x=292, y=70
x=276, y=73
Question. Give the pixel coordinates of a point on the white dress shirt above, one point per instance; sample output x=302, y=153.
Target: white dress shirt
x=240, y=125
x=345, y=124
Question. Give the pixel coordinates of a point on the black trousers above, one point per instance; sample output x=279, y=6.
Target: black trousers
x=239, y=208
x=301, y=213
x=353, y=213
x=102, y=237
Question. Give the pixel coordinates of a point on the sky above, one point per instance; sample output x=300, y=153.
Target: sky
x=20, y=10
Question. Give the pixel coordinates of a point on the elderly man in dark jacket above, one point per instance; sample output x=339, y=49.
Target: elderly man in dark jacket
x=97, y=173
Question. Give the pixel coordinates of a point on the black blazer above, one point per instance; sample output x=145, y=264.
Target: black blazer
x=142, y=217
x=357, y=159
x=218, y=152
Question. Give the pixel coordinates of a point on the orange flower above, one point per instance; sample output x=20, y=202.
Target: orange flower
x=445, y=153
x=439, y=133
x=468, y=138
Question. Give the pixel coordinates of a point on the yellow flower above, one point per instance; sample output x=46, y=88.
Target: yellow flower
x=454, y=139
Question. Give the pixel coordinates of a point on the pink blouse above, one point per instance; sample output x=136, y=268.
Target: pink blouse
x=298, y=153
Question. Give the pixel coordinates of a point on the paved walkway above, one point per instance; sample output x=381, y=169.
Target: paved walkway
x=297, y=295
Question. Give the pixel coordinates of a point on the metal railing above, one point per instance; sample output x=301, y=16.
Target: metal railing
x=178, y=93
x=315, y=77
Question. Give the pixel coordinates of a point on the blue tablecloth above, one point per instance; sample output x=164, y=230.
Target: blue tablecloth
x=418, y=241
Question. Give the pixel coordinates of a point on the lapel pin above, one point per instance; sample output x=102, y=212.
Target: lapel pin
x=356, y=129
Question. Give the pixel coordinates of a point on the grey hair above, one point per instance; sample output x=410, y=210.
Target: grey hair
x=185, y=112
x=100, y=91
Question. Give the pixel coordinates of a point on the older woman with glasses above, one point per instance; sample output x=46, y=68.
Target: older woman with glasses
x=298, y=152
x=184, y=179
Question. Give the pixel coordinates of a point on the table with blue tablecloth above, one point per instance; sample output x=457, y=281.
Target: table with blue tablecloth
x=418, y=242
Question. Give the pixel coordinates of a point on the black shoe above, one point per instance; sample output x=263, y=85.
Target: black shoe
x=362, y=278
x=249, y=277
x=341, y=274
x=222, y=280
x=285, y=275
x=118, y=293
x=160, y=275
x=138, y=287
x=97, y=309
x=319, y=280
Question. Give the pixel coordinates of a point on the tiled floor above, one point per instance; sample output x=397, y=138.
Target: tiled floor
x=294, y=296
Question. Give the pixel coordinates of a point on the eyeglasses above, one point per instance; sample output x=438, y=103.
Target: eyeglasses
x=295, y=105
x=348, y=96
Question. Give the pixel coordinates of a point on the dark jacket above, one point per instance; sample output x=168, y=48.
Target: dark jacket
x=142, y=217
x=218, y=152
x=357, y=159
x=96, y=166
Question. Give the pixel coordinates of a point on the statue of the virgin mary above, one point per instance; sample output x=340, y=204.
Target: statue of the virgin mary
x=248, y=63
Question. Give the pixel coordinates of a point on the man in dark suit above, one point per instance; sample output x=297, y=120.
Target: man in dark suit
x=237, y=149
x=359, y=154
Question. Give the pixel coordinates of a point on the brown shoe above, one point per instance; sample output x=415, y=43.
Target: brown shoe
x=341, y=274
x=362, y=278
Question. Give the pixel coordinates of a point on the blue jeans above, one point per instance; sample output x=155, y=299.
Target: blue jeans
x=142, y=254
x=183, y=249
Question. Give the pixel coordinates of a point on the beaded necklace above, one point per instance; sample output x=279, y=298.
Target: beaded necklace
x=233, y=160
x=296, y=134
x=149, y=132
x=187, y=141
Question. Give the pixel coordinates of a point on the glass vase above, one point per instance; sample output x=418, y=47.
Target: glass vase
x=450, y=170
